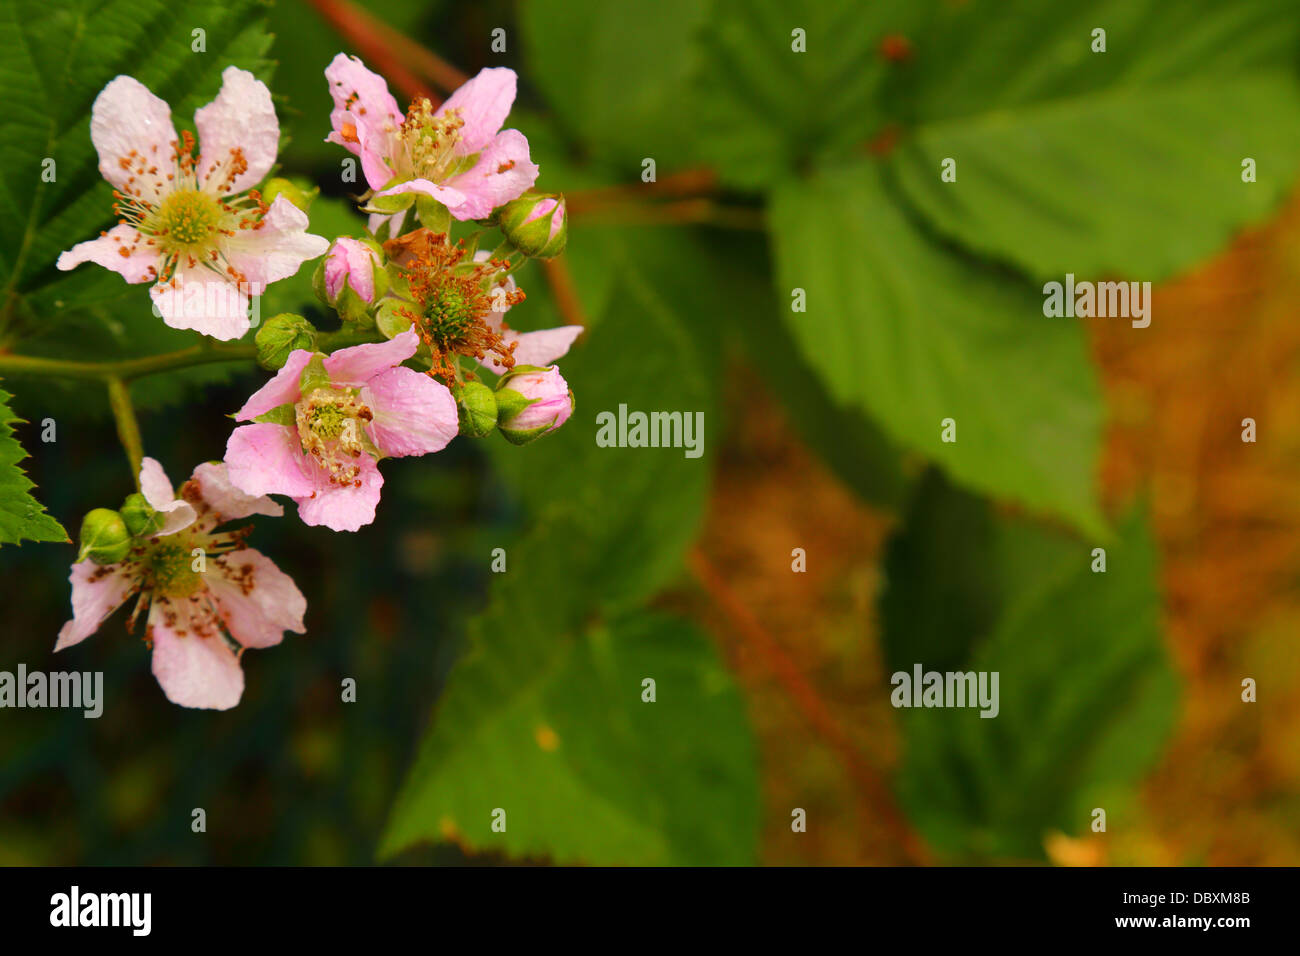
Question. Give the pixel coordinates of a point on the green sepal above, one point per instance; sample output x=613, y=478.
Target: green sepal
x=510, y=403
x=432, y=214
x=280, y=415
x=388, y=319
x=390, y=205
x=314, y=375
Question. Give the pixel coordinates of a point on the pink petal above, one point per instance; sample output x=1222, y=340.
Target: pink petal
x=197, y=299
x=503, y=172
x=361, y=98
x=276, y=249
x=377, y=219
x=342, y=507
x=97, y=591
x=139, y=265
x=484, y=103
x=257, y=601
x=129, y=123
x=267, y=459
x=240, y=121
x=358, y=364
x=226, y=501
x=195, y=668
x=448, y=197
x=536, y=348
x=414, y=415
x=157, y=490
x=281, y=390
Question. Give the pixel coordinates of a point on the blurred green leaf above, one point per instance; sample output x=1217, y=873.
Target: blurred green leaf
x=22, y=517
x=767, y=110
x=1086, y=693
x=553, y=730
x=1127, y=162
x=543, y=717
x=616, y=74
x=912, y=333
x=942, y=587
x=636, y=508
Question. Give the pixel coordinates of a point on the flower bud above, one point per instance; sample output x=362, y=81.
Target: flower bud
x=532, y=401
x=477, y=407
x=352, y=261
x=279, y=336
x=302, y=198
x=104, y=537
x=139, y=515
x=536, y=224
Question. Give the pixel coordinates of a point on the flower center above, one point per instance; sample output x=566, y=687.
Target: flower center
x=187, y=221
x=456, y=303
x=330, y=427
x=170, y=565
x=427, y=144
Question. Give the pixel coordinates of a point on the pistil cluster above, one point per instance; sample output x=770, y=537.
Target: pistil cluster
x=451, y=298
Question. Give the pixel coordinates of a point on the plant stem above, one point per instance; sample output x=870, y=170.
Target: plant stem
x=128, y=429
x=126, y=369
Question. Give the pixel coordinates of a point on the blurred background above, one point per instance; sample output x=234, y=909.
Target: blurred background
x=795, y=147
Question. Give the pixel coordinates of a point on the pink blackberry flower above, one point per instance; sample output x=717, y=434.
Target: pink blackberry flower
x=321, y=425
x=457, y=154
x=195, y=227
x=207, y=596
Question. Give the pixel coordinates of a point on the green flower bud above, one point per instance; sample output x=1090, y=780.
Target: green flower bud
x=477, y=407
x=302, y=198
x=104, y=537
x=536, y=224
x=139, y=515
x=279, y=336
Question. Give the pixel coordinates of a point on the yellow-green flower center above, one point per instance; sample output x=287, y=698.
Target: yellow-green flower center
x=171, y=566
x=187, y=221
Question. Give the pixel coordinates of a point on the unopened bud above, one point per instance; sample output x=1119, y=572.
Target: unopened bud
x=532, y=401
x=280, y=336
x=477, y=407
x=139, y=515
x=536, y=224
x=302, y=198
x=104, y=537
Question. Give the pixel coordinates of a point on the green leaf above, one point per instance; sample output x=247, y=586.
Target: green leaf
x=543, y=717
x=768, y=110
x=942, y=586
x=59, y=55
x=616, y=74
x=911, y=333
x=1127, y=162
x=638, y=508
x=555, y=732
x=1086, y=695
x=22, y=517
